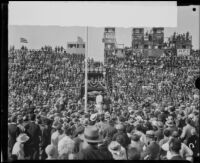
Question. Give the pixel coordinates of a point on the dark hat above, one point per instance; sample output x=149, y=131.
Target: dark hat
x=14, y=118
x=91, y=135
x=153, y=150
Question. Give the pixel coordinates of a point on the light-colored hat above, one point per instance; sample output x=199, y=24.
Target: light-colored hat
x=120, y=127
x=107, y=115
x=22, y=138
x=114, y=146
x=93, y=117
x=50, y=150
x=91, y=135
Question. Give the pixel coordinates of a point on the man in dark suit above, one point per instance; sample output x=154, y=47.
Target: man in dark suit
x=13, y=132
x=91, y=150
x=33, y=131
x=45, y=137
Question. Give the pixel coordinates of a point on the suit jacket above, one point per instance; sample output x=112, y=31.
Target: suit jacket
x=13, y=132
x=177, y=157
x=92, y=153
x=33, y=131
x=126, y=140
x=45, y=135
x=109, y=131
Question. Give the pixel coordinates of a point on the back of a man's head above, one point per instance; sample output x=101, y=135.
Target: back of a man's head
x=167, y=132
x=133, y=154
x=32, y=117
x=175, y=145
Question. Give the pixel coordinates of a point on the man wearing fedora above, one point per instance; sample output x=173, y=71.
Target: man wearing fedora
x=91, y=151
x=34, y=132
x=45, y=137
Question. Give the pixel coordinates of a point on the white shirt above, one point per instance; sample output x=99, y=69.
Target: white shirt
x=55, y=138
x=99, y=99
x=65, y=145
x=18, y=149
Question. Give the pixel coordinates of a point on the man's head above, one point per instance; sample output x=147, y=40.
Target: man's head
x=32, y=117
x=193, y=131
x=150, y=135
x=175, y=145
x=133, y=154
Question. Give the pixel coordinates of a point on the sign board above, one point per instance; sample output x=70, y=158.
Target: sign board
x=183, y=52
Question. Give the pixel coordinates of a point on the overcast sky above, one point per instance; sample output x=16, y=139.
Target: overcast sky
x=38, y=36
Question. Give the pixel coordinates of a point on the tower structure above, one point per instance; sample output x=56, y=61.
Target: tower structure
x=109, y=41
x=158, y=37
x=137, y=38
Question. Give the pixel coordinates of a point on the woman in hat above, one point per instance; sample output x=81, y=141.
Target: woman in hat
x=118, y=152
x=18, y=148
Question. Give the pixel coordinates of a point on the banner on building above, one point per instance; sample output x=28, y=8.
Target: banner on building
x=183, y=52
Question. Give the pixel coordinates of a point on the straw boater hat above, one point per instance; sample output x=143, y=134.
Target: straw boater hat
x=91, y=135
x=22, y=138
x=114, y=147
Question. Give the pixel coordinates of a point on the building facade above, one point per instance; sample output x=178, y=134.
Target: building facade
x=149, y=43
x=181, y=43
x=109, y=41
x=77, y=47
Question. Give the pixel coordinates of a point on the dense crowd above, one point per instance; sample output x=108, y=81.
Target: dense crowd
x=152, y=112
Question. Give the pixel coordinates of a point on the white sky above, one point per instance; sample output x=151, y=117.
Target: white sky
x=123, y=14
x=61, y=14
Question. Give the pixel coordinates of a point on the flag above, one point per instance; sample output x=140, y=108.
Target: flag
x=79, y=39
x=23, y=40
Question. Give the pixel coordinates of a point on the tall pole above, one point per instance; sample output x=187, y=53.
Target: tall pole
x=86, y=71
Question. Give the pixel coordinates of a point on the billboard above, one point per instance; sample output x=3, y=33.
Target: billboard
x=183, y=52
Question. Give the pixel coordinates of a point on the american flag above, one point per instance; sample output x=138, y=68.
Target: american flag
x=23, y=40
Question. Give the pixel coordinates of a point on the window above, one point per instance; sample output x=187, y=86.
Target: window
x=136, y=46
x=137, y=31
x=184, y=46
x=145, y=46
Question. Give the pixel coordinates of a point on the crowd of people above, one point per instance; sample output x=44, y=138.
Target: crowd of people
x=152, y=112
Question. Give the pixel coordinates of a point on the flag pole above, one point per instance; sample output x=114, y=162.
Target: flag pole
x=86, y=71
